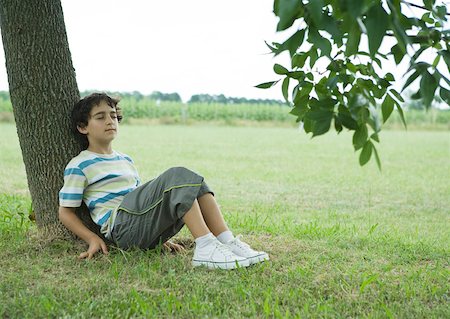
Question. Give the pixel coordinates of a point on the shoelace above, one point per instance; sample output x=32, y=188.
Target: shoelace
x=241, y=244
x=224, y=249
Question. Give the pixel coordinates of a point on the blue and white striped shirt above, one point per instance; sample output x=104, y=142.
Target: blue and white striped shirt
x=101, y=181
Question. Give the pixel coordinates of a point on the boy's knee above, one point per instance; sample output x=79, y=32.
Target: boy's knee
x=179, y=170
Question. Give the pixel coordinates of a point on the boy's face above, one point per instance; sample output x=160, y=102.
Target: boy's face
x=102, y=125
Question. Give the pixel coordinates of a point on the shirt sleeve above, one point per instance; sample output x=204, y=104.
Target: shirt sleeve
x=71, y=194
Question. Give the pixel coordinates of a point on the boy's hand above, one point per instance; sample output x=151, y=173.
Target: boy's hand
x=95, y=245
x=170, y=246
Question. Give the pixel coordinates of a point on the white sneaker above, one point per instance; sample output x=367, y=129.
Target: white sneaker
x=218, y=255
x=244, y=250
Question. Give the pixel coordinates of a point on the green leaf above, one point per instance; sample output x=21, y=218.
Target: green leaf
x=436, y=60
x=441, y=12
x=378, y=61
x=397, y=53
x=446, y=55
x=428, y=4
x=320, y=42
x=287, y=11
x=335, y=65
x=337, y=124
x=293, y=43
x=327, y=103
x=351, y=67
x=313, y=56
x=298, y=60
x=389, y=77
x=322, y=121
x=360, y=137
x=366, y=153
x=319, y=115
x=321, y=128
x=266, y=85
x=354, y=36
x=306, y=88
x=347, y=121
x=387, y=107
x=375, y=137
x=428, y=85
x=445, y=95
x=273, y=48
x=296, y=75
x=315, y=10
x=320, y=88
x=355, y=8
x=300, y=110
x=397, y=95
x=411, y=79
x=419, y=66
x=416, y=96
x=308, y=125
x=285, y=88
x=426, y=18
x=332, y=82
x=330, y=25
x=279, y=69
x=377, y=23
x=346, y=118
x=400, y=111
x=377, y=158
x=384, y=84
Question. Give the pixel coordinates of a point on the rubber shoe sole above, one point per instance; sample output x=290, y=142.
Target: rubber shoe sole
x=258, y=258
x=221, y=265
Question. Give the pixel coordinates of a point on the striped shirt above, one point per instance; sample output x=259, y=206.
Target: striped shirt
x=101, y=181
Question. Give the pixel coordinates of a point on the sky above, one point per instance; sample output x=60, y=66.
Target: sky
x=184, y=46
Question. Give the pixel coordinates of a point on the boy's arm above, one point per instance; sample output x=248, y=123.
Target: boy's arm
x=69, y=219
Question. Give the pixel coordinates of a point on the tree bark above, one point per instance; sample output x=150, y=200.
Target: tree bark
x=43, y=89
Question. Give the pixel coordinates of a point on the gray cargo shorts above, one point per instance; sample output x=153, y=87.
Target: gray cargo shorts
x=153, y=212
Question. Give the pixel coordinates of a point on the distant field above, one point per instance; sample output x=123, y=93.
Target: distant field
x=242, y=114
x=344, y=241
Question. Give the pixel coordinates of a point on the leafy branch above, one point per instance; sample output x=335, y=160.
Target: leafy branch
x=353, y=93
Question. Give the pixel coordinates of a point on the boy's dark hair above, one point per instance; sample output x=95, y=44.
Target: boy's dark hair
x=82, y=109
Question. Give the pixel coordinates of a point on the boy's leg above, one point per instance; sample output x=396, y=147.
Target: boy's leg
x=193, y=219
x=212, y=214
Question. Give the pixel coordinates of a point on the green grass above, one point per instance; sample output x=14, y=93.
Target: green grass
x=344, y=241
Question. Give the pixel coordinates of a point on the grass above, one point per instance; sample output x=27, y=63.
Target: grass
x=344, y=241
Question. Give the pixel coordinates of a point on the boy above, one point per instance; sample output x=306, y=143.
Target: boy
x=134, y=215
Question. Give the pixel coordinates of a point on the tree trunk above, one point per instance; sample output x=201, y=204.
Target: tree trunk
x=43, y=89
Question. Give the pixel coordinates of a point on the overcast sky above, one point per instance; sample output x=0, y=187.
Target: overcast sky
x=184, y=46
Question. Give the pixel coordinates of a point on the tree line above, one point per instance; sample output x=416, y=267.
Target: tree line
x=410, y=103
x=196, y=98
x=175, y=97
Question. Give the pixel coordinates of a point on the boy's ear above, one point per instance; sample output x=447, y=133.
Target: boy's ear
x=82, y=129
